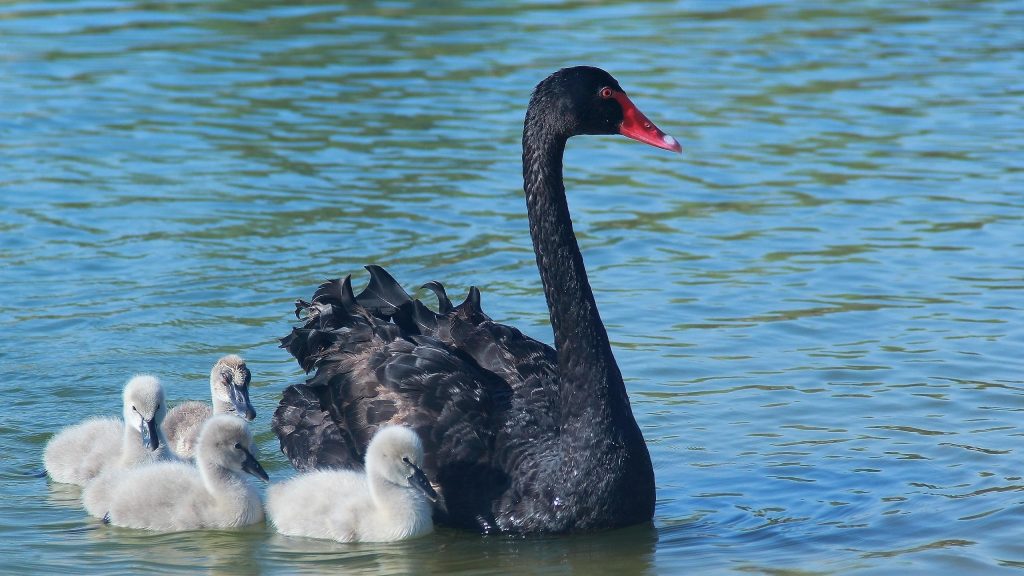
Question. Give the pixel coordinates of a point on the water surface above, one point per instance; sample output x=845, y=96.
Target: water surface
x=817, y=308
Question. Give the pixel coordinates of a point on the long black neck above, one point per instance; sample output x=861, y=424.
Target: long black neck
x=592, y=392
x=603, y=457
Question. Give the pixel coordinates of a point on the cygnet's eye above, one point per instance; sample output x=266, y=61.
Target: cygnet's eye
x=238, y=446
x=406, y=460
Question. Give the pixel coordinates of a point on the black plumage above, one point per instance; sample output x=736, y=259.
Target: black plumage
x=520, y=437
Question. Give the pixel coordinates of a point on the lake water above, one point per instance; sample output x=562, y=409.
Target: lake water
x=818, y=307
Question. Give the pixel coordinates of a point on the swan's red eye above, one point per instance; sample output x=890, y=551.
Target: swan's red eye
x=606, y=92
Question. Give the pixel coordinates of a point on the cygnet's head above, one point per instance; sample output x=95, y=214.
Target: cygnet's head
x=396, y=454
x=229, y=382
x=145, y=407
x=224, y=441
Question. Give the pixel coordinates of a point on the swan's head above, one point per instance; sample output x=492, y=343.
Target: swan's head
x=396, y=454
x=587, y=100
x=145, y=407
x=229, y=382
x=224, y=442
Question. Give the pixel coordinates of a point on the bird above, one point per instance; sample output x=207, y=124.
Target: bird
x=391, y=501
x=81, y=452
x=521, y=437
x=175, y=496
x=229, y=387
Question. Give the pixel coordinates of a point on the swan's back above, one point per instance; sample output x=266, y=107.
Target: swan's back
x=374, y=368
x=182, y=426
x=483, y=397
x=100, y=491
x=78, y=453
x=307, y=505
x=165, y=496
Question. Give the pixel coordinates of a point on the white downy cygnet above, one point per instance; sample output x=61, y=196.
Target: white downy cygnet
x=229, y=387
x=390, y=501
x=79, y=453
x=174, y=496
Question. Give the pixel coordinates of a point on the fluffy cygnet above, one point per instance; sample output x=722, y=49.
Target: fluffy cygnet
x=79, y=453
x=173, y=496
x=229, y=387
x=390, y=501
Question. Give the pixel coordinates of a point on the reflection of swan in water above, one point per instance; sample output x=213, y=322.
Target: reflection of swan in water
x=624, y=551
x=307, y=555
x=206, y=552
x=64, y=495
x=390, y=501
x=172, y=496
x=229, y=388
x=79, y=453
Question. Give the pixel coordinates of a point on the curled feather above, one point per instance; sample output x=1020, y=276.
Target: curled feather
x=444, y=305
x=383, y=296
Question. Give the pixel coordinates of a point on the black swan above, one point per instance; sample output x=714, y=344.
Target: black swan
x=519, y=437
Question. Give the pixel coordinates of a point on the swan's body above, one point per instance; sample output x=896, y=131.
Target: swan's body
x=174, y=496
x=229, y=389
x=388, y=502
x=80, y=453
x=521, y=437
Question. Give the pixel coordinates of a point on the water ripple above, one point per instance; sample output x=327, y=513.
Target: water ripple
x=817, y=308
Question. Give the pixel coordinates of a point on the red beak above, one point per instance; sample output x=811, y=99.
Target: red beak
x=636, y=126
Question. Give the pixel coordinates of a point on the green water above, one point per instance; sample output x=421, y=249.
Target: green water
x=817, y=307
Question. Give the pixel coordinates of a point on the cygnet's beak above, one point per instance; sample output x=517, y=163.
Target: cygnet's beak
x=419, y=481
x=147, y=429
x=252, y=466
x=149, y=436
x=240, y=400
x=154, y=438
